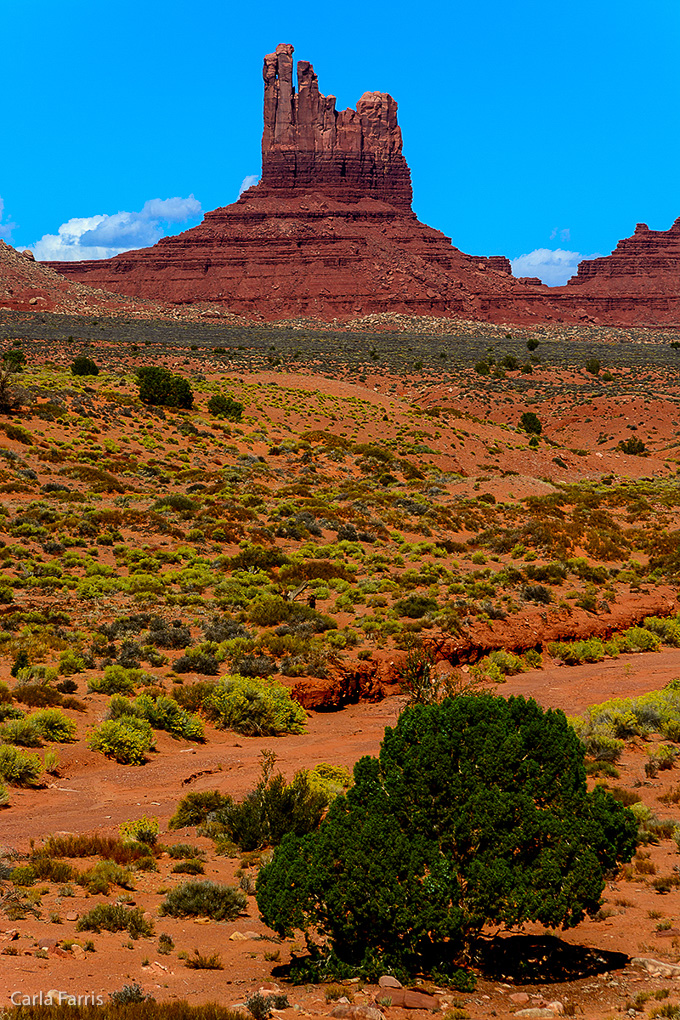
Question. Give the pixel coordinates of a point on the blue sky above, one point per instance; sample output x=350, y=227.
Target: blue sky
x=530, y=127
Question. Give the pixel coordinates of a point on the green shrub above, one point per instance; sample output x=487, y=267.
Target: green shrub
x=161, y=388
x=224, y=406
x=53, y=725
x=162, y=713
x=634, y=447
x=531, y=423
x=83, y=365
x=94, y=845
x=125, y=740
x=204, y=899
x=141, y=830
x=593, y=366
x=49, y=870
x=575, y=652
x=262, y=708
x=271, y=810
x=476, y=812
x=19, y=767
x=667, y=628
x=23, y=875
x=184, y=851
x=116, y=680
x=638, y=639
x=189, y=867
x=70, y=663
x=604, y=727
x=330, y=780
x=116, y=917
x=21, y=731
x=194, y=808
x=104, y=874
x=414, y=607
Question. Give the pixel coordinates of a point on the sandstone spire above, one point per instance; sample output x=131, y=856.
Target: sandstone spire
x=307, y=143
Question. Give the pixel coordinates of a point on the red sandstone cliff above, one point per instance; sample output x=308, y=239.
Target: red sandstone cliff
x=638, y=284
x=328, y=231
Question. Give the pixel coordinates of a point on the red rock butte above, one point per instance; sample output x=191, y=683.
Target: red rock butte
x=329, y=232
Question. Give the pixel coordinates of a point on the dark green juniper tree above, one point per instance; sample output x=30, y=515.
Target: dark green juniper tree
x=475, y=812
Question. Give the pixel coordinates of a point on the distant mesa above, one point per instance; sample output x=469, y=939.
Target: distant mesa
x=329, y=231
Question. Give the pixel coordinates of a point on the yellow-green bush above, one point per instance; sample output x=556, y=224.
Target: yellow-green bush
x=126, y=740
x=254, y=707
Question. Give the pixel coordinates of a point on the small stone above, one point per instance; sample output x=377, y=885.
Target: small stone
x=387, y=981
x=78, y=952
x=556, y=1007
x=519, y=998
x=536, y=1013
x=72, y=915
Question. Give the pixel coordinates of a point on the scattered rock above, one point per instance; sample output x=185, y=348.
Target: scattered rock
x=536, y=1012
x=656, y=967
x=387, y=981
x=358, y=1012
x=407, y=999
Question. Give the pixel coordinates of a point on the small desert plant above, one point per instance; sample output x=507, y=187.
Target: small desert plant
x=204, y=899
x=185, y=851
x=52, y=724
x=103, y=875
x=160, y=387
x=273, y=809
x=224, y=406
x=531, y=423
x=200, y=962
x=116, y=917
x=18, y=767
x=261, y=1006
x=593, y=366
x=255, y=707
x=633, y=446
x=130, y=995
x=94, y=845
x=126, y=740
x=194, y=808
x=116, y=680
x=82, y=365
x=189, y=867
x=141, y=830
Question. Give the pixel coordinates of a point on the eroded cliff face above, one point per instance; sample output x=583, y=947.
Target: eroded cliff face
x=307, y=143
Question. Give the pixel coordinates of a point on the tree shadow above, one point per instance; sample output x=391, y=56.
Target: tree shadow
x=529, y=958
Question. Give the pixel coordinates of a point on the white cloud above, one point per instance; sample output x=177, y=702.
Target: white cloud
x=7, y=227
x=106, y=235
x=552, y=267
x=247, y=182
